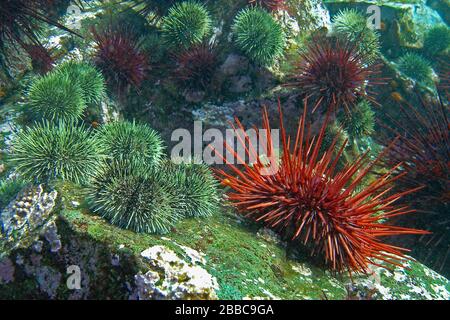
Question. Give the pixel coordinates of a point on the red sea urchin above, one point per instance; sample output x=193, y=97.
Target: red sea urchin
x=119, y=58
x=332, y=73
x=308, y=199
x=41, y=59
x=195, y=67
x=424, y=149
x=20, y=22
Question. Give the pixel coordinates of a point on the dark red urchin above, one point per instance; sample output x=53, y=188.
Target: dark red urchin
x=195, y=67
x=41, y=59
x=424, y=149
x=271, y=5
x=119, y=58
x=308, y=199
x=19, y=21
x=332, y=73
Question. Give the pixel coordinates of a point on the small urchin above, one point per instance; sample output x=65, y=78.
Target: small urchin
x=360, y=121
x=186, y=24
x=352, y=25
x=416, y=67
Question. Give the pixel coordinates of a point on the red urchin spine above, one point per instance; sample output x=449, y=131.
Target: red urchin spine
x=196, y=66
x=332, y=73
x=119, y=58
x=424, y=149
x=308, y=199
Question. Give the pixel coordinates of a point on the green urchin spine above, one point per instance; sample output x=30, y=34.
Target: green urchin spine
x=186, y=24
x=258, y=35
x=56, y=97
x=194, y=187
x=49, y=151
x=90, y=80
x=132, y=196
x=125, y=140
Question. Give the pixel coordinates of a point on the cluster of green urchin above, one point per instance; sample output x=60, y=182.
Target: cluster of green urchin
x=135, y=189
x=49, y=151
x=352, y=25
x=64, y=93
x=131, y=141
x=258, y=35
x=416, y=67
x=133, y=196
x=186, y=24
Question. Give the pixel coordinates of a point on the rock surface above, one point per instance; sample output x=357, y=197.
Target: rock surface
x=174, y=278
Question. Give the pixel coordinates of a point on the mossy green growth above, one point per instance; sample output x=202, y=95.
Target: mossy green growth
x=56, y=97
x=194, y=188
x=47, y=151
x=89, y=79
x=187, y=23
x=352, y=25
x=133, y=196
x=359, y=121
x=416, y=67
x=9, y=189
x=258, y=35
x=437, y=40
x=247, y=264
x=125, y=140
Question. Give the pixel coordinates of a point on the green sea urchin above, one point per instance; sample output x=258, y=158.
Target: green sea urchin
x=258, y=35
x=133, y=196
x=131, y=141
x=195, y=188
x=186, y=24
x=437, y=40
x=89, y=79
x=360, y=121
x=352, y=25
x=416, y=67
x=56, y=97
x=50, y=151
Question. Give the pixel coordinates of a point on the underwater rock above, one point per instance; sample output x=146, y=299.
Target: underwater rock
x=26, y=217
x=174, y=278
x=305, y=15
x=6, y=270
x=240, y=84
x=234, y=64
x=194, y=96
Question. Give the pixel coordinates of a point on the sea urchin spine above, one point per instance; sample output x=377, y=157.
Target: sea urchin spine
x=333, y=73
x=308, y=199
